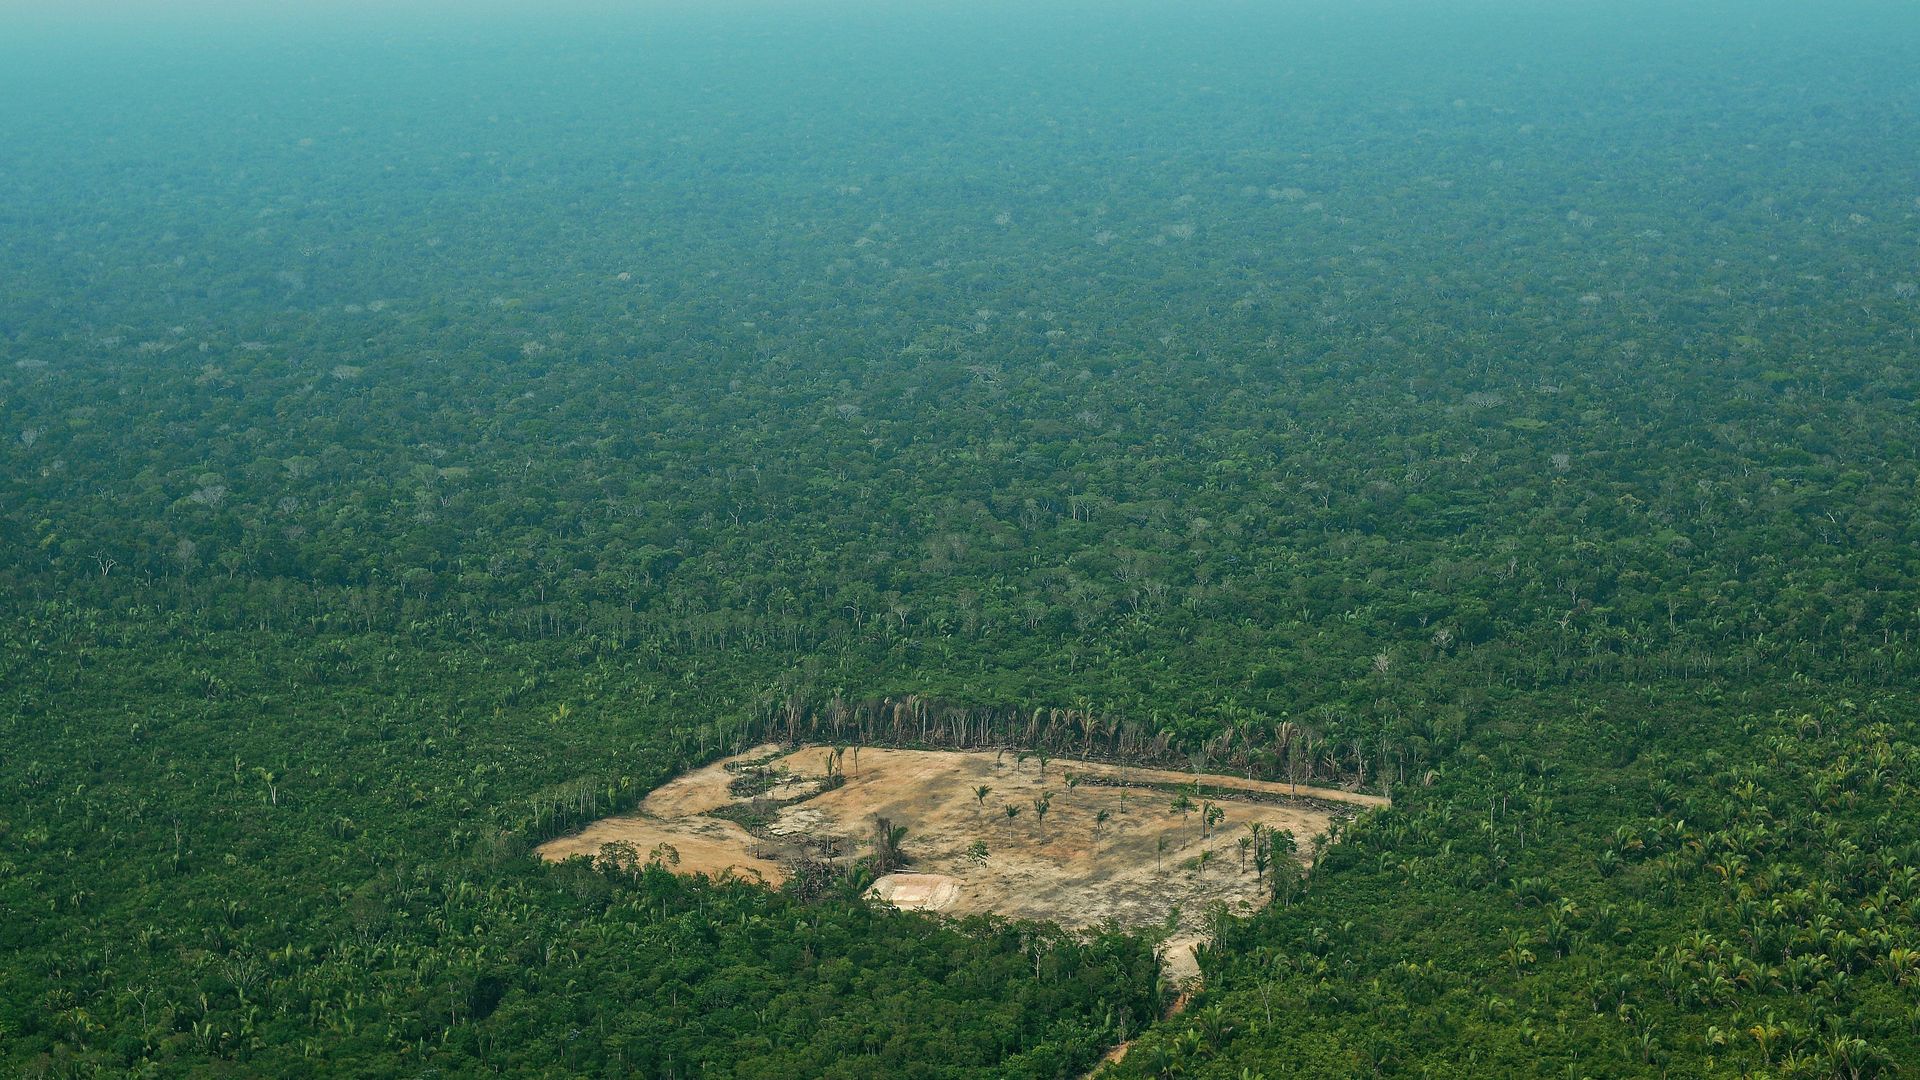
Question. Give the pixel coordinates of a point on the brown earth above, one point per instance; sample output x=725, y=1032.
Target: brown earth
x=675, y=814
x=1066, y=869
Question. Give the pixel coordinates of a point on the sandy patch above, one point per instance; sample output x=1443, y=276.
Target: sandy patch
x=1105, y=851
x=699, y=791
x=917, y=892
x=675, y=814
x=1071, y=868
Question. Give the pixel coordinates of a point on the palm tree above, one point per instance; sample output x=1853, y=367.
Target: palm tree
x=1282, y=842
x=1517, y=953
x=1099, y=819
x=1284, y=734
x=1012, y=812
x=980, y=798
x=272, y=780
x=1040, y=807
x=1090, y=728
x=1182, y=805
x=886, y=844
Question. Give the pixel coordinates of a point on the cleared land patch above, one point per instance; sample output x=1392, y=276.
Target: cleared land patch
x=1083, y=843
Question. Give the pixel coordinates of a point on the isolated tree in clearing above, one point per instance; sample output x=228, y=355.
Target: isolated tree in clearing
x=1181, y=805
x=886, y=845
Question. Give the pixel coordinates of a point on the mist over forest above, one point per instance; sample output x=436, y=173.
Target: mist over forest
x=425, y=433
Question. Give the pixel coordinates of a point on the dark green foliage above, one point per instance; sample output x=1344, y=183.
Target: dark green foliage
x=1759, y=915
x=364, y=901
x=416, y=442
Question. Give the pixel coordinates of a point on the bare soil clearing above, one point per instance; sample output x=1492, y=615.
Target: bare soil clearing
x=1141, y=861
x=918, y=892
x=676, y=814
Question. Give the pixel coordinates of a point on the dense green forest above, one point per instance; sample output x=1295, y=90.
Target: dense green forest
x=419, y=437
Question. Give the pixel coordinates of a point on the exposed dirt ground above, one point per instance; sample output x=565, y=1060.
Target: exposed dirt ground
x=675, y=814
x=1066, y=869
